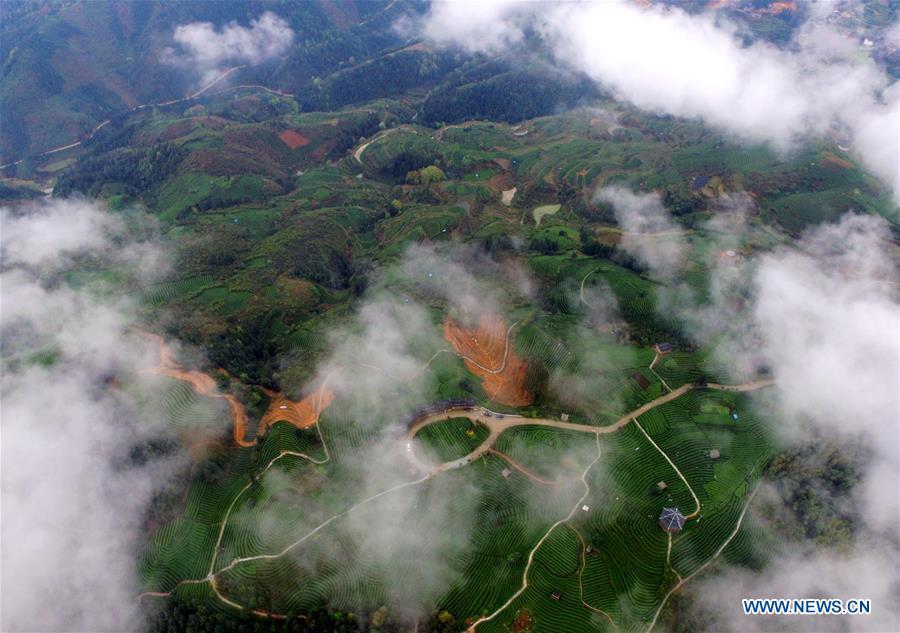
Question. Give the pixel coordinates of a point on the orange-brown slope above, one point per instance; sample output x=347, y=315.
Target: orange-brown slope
x=202, y=384
x=487, y=354
x=293, y=139
x=301, y=413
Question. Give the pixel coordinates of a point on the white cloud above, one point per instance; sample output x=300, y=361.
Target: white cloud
x=205, y=48
x=477, y=26
x=864, y=574
x=666, y=60
x=73, y=500
x=648, y=233
x=823, y=315
x=828, y=324
x=52, y=232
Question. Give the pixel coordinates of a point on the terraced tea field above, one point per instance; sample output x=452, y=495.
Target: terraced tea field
x=558, y=521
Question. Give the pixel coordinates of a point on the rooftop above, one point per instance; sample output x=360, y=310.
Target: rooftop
x=671, y=520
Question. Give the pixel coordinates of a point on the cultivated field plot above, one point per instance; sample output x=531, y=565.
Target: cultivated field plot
x=292, y=521
x=451, y=439
x=283, y=225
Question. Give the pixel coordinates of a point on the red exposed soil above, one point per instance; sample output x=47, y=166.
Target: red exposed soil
x=486, y=354
x=779, y=7
x=293, y=139
x=302, y=414
x=202, y=384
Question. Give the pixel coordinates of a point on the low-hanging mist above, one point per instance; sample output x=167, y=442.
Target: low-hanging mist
x=665, y=60
x=75, y=493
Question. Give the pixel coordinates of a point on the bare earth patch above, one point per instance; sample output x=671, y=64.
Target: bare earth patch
x=293, y=139
x=302, y=414
x=489, y=355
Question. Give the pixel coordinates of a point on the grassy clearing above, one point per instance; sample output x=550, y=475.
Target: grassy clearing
x=538, y=213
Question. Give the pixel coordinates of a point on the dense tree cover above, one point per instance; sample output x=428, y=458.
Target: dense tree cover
x=115, y=134
x=151, y=449
x=425, y=176
x=590, y=245
x=405, y=162
x=680, y=201
x=816, y=481
x=218, y=200
x=537, y=379
x=543, y=245
x=445, y=622
x=597, y=211
x=219, y=464
x=246, y=351
x=512, y=96
x=387, y=75
x=36, y=78
x=497, y=245
x=8, y=192
x=175, y=615
x=328, y=50
x=182, y=615
x=137, y=169
x=350, y=134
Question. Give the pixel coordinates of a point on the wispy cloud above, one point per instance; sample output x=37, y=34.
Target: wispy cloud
x=200, y=46
x=822, y=315
x=648, y=233
x=666, y=60
x=74, y=499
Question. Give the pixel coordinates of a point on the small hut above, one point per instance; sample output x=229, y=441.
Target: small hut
x=671, y=520
x=661, y=485
x=714, y=454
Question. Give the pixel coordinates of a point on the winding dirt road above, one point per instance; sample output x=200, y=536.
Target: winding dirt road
x=359, y=151
x=138, y=108
x=587, y=491
x=583, y=280
x=301, y=413
x=696, y=511
x=497, y=423
x=683, y=581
